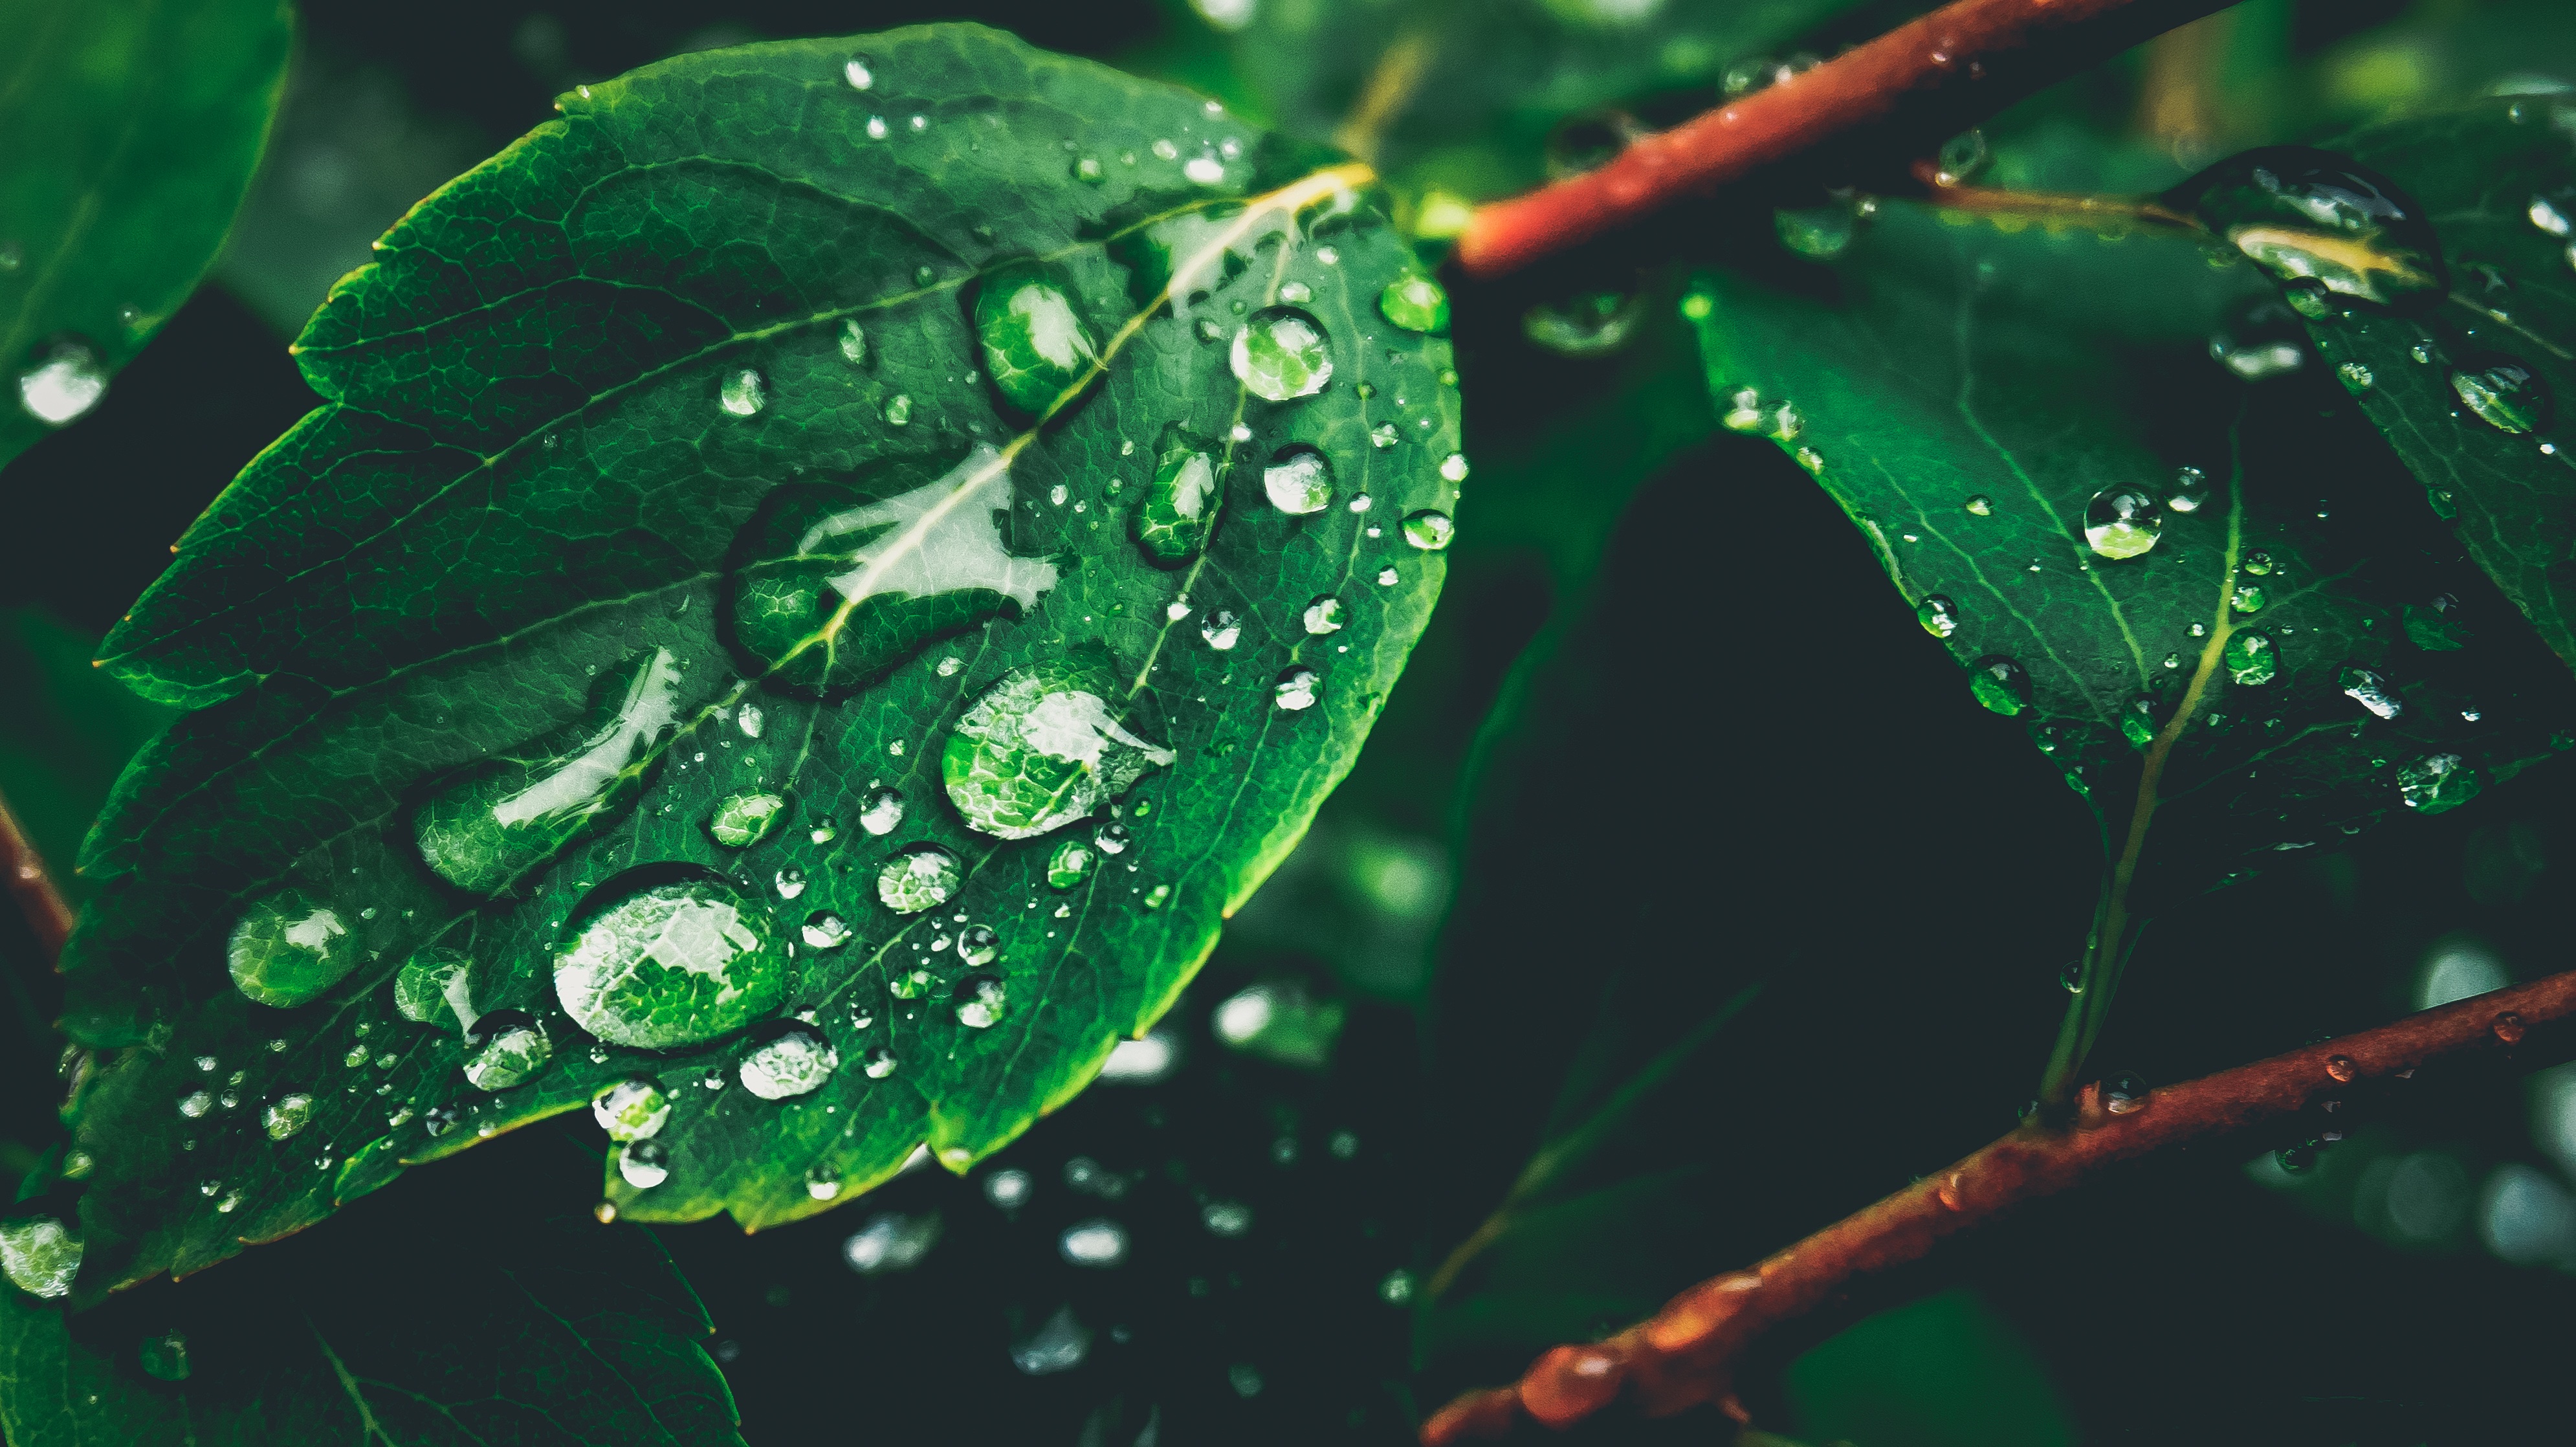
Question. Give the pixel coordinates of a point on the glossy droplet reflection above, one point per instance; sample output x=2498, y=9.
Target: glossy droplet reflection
x=2313, y=217
x=513, y=1050
x=2000, y=684
x=2504, y=394
x=1281, y=354
x=2251, y=657
x=1070, y=864
x=1938, y=615
x=631, y=1110
x=1429, y=529
x=1416, y=303
x=743, y=820
x=2371, y=690
x=880, y=816
x=1299, y=481
x=436, y=987
x=288, y=949
x=1296, y=689
x=63, y=387
x=1036, y=343
x=1181, y=498
x=795, y=1062
x=980, y=1001
x=504, y=818
x=2437, y=783
x=39, y=1255
x=2123, y=522
x=920, y=878
x=644, y=1164
x=671, y=964
x=742, y=393
x=286, y=1115
x=1045, y=745
x=1324, y=615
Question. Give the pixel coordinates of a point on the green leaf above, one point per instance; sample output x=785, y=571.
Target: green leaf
x=395, y=1327
x=1468, y=93
x=135, y=128
x=2471, y=379
x=490, y=652
x=1945, y=1371
x=2004, y=417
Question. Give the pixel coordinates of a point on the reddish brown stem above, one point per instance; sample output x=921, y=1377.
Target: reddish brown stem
x=48, y=914
x=1685, y=1355
x=1925, y=79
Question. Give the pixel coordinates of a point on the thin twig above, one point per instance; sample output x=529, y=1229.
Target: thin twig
x=1930, y=77
x=1388, y=91
x=48, y=913
x=1685, y=1355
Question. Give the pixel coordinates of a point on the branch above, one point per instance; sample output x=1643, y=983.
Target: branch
x=1931, y=77
x=47, y=912
x=1686, y=1354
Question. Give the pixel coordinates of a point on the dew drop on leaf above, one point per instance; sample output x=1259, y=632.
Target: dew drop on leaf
x=1221, y=629
x=2251, y=657
x=1938, y=615
x=1042, y=747
x=1429, y=529
x=1181, y=500
x=980, y=1000
x=742, y=394
x=2123, y=522
x=1035, y=342
x=645, y=1164
x=1324, y=615
x=1281, y=354
x=879, y=816
x=286, y=1115
x=2189, y=492
x=2355, y=377
x=1416, y=303
x=2000, y=684
x=2504, y=394
x=1299, y=480
x=860, y=72
x=288, y=949
x=435, y=987
x=2437, y=782
x=796, y=1061
x=1296, y=689
x=1111, y=838
x=1070, y=864
x=824, y=930
x=2371, y=690
x=1453, y=468
x=743, y=820
x=671, y=964
x=2311, y=216
x=922, y=877
x=1979, y=504
x=2246, y=598
x=979, y=944
x=39, y=1255
x=631, y=1110
x=877, y=1063
x=512, y=1049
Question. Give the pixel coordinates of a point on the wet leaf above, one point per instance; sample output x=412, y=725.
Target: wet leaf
x=2473, y=383
x=2005, y=418
x=670, y=616
x=134, y=131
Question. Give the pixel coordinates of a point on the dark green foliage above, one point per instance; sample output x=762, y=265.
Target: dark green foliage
x=131, y=133
x=507, y=505
x=1981, y=403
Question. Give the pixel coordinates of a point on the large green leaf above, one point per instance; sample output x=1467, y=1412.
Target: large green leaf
x=2245, y=680
x=2461, y=372
x=488, y=657
x=401, y=1326
x=131, y=130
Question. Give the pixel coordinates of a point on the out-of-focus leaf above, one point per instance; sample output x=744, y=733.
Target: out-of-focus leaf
x=128, y=132
x=1941, y=1372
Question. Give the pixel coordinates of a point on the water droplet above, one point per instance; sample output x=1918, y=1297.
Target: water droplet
x=825, y=830
x=1385, y=435
x=822, y=1182
x=1819, y=233
x=671, y=964
x=898, y=410
x=2259, y=564
x=1296, y=688
x=2190, y=490
x=1037, y=344
x=877, y=1062
x=1324, y=615
x=1979, y=504
x=1416, y=303
x=435, y=987
x=2123, y=522
x=2371, y=691
x=846, y=580
x=1593, y=324
x=1112, y=838
x=742, y=394
x=1221, y=629
x=1397, y=1288
x=287, y=950
x=1181, y=502
x=63, y=387
x=39, y=1255
x=876, y=128
x=922, y=877
x=1282, y=354
x=2246, y=598
x=1429, y=529
x=286, y=1115
x=859, y=72
x=631, y=1110
x=1453, y=468
x=2000, y=684
x=1089, y=171
x=1226, y=1218
x=2251, y=657
x=790, y=882
x=1042, y=747
x=2341, y=1068
x=1938, y=615
x=645, y=1164
x=1386, y=577
x=502, y=819
x=743, y=820
x=2122, y=1094
x=796, y=1061
x=2437, y=783
x=2546, y=215
x=824, y=930
x=2311, y=216
x=1961, y=158
x=2508, y=1027
x=891, y=1242
x=854, y=342
x=1070, y=864
x=2356, y=378
x=2504, y=394
x=980, y=999
x=1299, y=481
x=512, y=1049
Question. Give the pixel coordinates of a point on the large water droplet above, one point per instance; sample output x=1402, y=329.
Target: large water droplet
x=2000, y=684
x=672, y=964
x=436, y=987
x=922, y=877
x=2312, y=216
x=878, y=1062
x=883, y=812
x=742, y=393
x=2438, y=782
x=1037, y=344
x=1416, y=303
x=743, y=820
x=286, y=1115
x=1296, y=689
x=1221, y=629
x=2371, y=690
x=1299, y=481
x=845, y=580
x=1429, y=529
x=1324, y=615
x=1181, y=501
x=794, y=1062
x=1044, y=746
x=502, y=819
x=1281, y=353
x=1070, y=864
x=2123, y=522
x=514, y=1048
x=39, y=1255
x=1938, y=615
x=2504, y=394
x=287, y=950
x=979, y=944
x=631, y=1110
x=644, y=1164
x=980, y=1000
x=64, y=386
x=2251, y=657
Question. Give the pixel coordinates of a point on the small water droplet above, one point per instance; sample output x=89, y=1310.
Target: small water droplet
x=2341, y=1068
x=2000, y=684
x=1386, y=577
x=1938, y=615
x=742, y=394
x=1221, y=629
x=2356, y=378
x=2251, y=657
x=2508, y=1027
x=1182, y=500
x=287, y=950
x=1036, y=342
x=2122, y=1094
x=286, y=1115
x=1429, y=529
x=790, y=882
x=2437, y=783
x=671, y=964
x=1296, y=688
x=2504, y=394
x=2123, y=522
x=1324, y=615
x=825, y=830
x=2370, y=689
x=860, y=72
x=1979, y=504
x=743, y=820
x=512, y=1049
x=2190, y=490
x=1070, y=864
x=898, y=410
x=2315, y=219
x=824, y=930
x=1299, y=480
x=922, y=877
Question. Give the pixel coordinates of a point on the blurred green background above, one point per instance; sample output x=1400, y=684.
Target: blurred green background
x=1670, y=748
